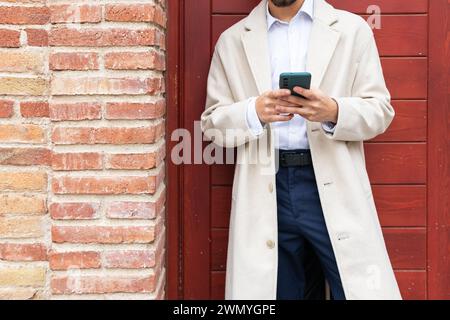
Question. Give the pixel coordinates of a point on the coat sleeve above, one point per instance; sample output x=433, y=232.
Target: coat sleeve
x=368, y=112
x=225, y=120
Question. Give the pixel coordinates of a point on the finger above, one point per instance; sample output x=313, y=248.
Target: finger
x=276, y=94
x=281, y=118
x=300, y=110
x=292, y=110
x=270, y=111
x=297, y=101
x=301, y=102
x=282, y=102
x=290, y=100
x=308, y=94
x=306, y=115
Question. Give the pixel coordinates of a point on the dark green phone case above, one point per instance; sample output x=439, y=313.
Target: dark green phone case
x=289, y=80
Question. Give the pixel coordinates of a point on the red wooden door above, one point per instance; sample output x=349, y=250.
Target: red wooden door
x=408, y=165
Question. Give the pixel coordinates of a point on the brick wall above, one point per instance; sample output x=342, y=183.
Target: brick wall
x=81, y=149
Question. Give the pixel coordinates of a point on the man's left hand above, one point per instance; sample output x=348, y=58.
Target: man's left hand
x=317, y=107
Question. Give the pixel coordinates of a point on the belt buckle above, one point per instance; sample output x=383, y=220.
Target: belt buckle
x=294, y=159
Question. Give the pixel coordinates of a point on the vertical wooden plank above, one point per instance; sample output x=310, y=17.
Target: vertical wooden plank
x=196, y=180
x=174, y=46
x=412, y=284
x=438, y=152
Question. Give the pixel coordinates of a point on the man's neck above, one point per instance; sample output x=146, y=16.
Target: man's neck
x=285, y=13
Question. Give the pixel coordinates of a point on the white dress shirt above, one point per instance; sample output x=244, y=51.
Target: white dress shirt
x=288, y=47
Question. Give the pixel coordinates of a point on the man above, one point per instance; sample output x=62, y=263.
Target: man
x=321, y=195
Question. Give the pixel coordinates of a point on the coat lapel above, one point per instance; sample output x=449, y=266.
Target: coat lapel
x=256, y=47
x=323, y=41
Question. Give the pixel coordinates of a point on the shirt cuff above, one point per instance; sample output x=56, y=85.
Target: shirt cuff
x=253, y=121
x=329, y=127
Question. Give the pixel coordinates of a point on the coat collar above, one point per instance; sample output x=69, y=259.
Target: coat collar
x=323, y=42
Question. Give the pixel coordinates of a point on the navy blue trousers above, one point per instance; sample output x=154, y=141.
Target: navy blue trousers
x=302, y=229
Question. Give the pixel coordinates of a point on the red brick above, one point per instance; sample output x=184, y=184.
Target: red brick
x=102, y=37
x=25, y=1
x=28, y=1
x=151, y=60
x=23, y=252
x=17, y=293
x=129, y=259
x=24, y=156
x=74, y=61
x=24, y=15
x=76, y=161
x=27, y=133
x=160, y=252
x=6, y=108
x=130, y=12
x=136, y=161
x=23, y=181
x=155, y=86
x=135, y=210
x=37, y=37
x=22, y=62
x=74, y=135
x=105, y=86
x=102, y=234
x=139, y=161
x=74, y=260
x=75, y=13
x=162, y=41
x=75, y=111
x=69, y=135
x=20, y=227
x=34, y=109
x=134, y=13
x=104, y=185
x=103, y=284
x=23, y=86
x=162, y=3
x=160, y=17
x=36, y=2
x=131, y=111
x=22, y=204
x=9, y=38
x=74, y=211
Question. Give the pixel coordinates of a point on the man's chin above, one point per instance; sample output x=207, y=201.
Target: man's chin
x=283, y=3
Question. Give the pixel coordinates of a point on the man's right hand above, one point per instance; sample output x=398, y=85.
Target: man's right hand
x=266, y=106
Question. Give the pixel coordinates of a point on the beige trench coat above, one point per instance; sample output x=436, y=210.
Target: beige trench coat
x=344, y=63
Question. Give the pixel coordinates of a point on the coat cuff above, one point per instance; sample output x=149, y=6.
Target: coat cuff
x=253, y=122
x=344, y=120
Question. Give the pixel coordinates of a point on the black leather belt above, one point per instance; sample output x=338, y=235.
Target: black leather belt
x=294, y=158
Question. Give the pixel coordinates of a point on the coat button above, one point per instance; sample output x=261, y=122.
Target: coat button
x=270, y=244
x=271, y=187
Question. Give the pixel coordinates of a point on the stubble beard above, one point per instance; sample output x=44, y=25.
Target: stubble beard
x=283, y=3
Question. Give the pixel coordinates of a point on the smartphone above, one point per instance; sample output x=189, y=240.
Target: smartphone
x=290, y=80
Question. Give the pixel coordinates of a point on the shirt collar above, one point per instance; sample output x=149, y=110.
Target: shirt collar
x=307, y=8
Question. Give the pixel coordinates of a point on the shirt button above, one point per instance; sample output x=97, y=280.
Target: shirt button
x=270, y=244
x=271, y=187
